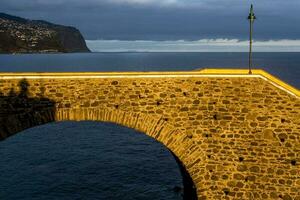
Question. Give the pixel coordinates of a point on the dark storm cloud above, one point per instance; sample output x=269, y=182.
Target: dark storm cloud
x=165, y=19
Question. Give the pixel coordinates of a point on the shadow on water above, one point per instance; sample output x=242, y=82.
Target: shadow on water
x=18, y=111
x=189, y=189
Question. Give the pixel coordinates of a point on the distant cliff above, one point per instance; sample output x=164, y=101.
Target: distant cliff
x=19, y=35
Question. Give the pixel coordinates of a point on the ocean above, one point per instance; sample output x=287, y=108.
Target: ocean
x=86, y=160
x=96, y=160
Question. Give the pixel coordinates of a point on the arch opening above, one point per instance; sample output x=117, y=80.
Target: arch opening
x=176, y=189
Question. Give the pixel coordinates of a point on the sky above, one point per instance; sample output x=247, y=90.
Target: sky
x=167, y=20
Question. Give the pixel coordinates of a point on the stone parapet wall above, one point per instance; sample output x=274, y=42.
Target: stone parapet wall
x=238, y=136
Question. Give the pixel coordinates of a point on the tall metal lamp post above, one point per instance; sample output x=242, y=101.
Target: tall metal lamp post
x=251, y=18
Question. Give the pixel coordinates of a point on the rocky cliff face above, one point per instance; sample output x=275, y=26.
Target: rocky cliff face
x=18, y=35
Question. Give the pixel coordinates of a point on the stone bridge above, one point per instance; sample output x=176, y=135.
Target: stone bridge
x=236, y=135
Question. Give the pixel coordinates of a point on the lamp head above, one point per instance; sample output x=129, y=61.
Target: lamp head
x=251, y=16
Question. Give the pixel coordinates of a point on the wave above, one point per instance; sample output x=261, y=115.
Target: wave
x=203, y=45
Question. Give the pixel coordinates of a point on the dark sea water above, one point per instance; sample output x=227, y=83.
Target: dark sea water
x=86, y=160
x=284, y=65
x=92, y=160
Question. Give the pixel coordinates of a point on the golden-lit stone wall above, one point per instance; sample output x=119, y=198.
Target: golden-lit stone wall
x=238, y=137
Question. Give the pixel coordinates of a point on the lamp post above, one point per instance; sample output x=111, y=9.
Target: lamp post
x=251, y=18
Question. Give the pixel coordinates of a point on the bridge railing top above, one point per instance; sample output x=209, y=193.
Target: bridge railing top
x=168, y=74
x=265, y=75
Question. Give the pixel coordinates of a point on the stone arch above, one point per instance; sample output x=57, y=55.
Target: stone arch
x=177, y=142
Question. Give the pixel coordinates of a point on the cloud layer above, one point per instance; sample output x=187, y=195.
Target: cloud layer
x=203, y=45
x=165, y=19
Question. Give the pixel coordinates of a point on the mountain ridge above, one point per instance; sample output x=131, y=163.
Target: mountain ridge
x=20, y=35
